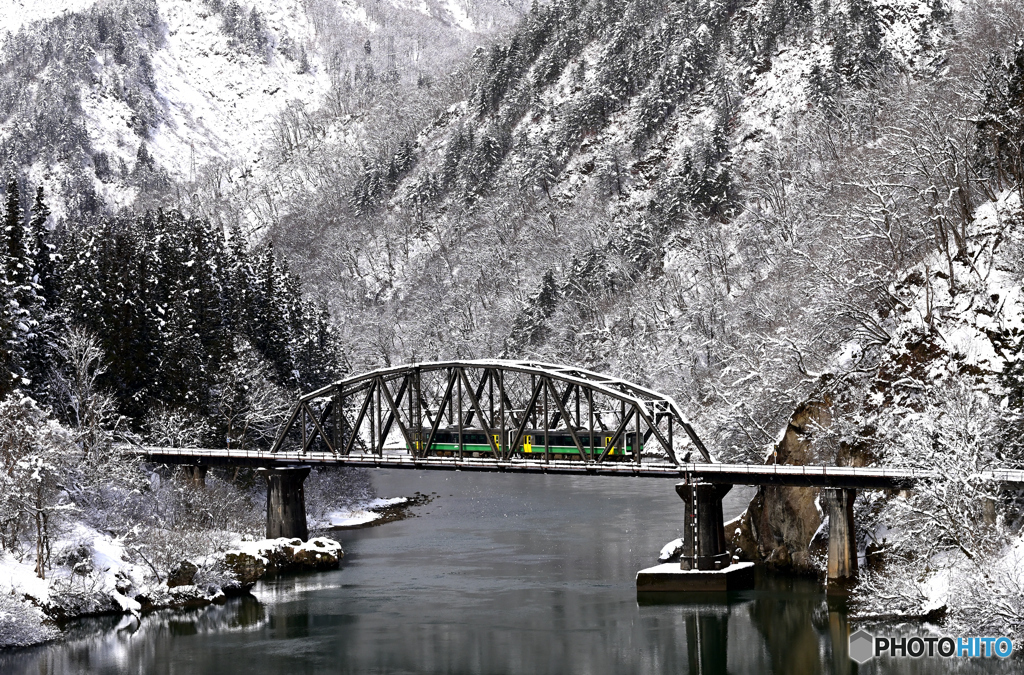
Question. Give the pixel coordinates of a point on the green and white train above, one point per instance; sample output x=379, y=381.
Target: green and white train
x=560, y=444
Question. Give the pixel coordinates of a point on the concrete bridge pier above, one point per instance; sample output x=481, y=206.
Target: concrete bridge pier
x=196, y=474
x=842, y=541
x=286, y=502
x=704, y=564
x=704, y=545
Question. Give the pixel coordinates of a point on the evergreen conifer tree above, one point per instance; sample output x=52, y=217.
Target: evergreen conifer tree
x=44, y=253
x=41, y=299
x=19, y=277
x=270, y=329
x=6, y=314
x=14, y=230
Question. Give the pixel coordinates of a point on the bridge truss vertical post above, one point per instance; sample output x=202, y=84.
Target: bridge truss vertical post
x=547, y=447
x=338, y=417
x=373, y=416
x=490, y=398
x=451, y=402
x=578, y=421
x=502, y=442
x=533, y=409
x=671, y=446
x=638, y=438
x=416, y=413
x=458, y=377
x=590, y=421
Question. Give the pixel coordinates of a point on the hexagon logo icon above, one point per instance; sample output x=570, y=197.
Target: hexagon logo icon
x=861, y=646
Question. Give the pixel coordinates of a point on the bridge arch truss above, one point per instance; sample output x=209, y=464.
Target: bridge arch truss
x=409, y=408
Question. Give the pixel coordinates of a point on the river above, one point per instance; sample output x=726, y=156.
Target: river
x=498, y=574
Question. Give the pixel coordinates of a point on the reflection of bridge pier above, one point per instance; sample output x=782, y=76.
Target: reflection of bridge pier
x=707, y=641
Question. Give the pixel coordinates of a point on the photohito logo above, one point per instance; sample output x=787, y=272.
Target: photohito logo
x=864, y=646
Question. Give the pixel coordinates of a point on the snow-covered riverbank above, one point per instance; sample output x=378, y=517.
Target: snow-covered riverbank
x=98, y=573
x=96, y=578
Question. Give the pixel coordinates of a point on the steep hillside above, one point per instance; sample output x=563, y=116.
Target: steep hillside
x=114, y=103
x=710, y=196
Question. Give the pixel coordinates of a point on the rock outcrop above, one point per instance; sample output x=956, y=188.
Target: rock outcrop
x=779, y=526
x=252, y=560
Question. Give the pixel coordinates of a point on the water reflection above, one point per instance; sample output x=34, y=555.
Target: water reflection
x=500, y=574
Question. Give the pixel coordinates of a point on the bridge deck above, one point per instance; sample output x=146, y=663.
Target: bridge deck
x=735, y=474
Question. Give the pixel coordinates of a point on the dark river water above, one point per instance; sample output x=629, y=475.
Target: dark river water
x=499, y=574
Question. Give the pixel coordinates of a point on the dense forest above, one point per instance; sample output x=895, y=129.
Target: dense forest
x=166, y=313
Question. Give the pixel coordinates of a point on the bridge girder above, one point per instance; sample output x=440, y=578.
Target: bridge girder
x=509, y=401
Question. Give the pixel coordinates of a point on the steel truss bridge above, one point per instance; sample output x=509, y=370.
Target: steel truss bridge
x=526, y=417
x=497, y=408
x=392, y=418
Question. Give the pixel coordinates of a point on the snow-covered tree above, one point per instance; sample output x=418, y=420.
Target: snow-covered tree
x=37, y=470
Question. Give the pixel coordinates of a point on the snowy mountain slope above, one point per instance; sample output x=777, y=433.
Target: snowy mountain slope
x=17, y=13
x=212, y=101
x=677, y=192
x=201, y=82
x=217, y=102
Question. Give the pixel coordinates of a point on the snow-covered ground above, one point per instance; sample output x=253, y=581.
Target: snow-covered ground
x=106, y=563
x=361, y=514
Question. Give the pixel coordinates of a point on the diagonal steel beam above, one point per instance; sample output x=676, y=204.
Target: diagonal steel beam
x=479, y=393
x=561, y=409
x=452, y=379
x=317, y=429
x=568, y=420
x=509, y=408
x=695, y=439
x=286, y=427
x=618, y=434
x=385, y=427
x=360, y=417
x=395, y=415
x=652, y=426
x=521, y=431
x=476, y=406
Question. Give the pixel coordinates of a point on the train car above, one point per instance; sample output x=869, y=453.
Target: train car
x=559, y=444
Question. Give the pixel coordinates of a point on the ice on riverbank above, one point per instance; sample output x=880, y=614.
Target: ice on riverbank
x=361, y=514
